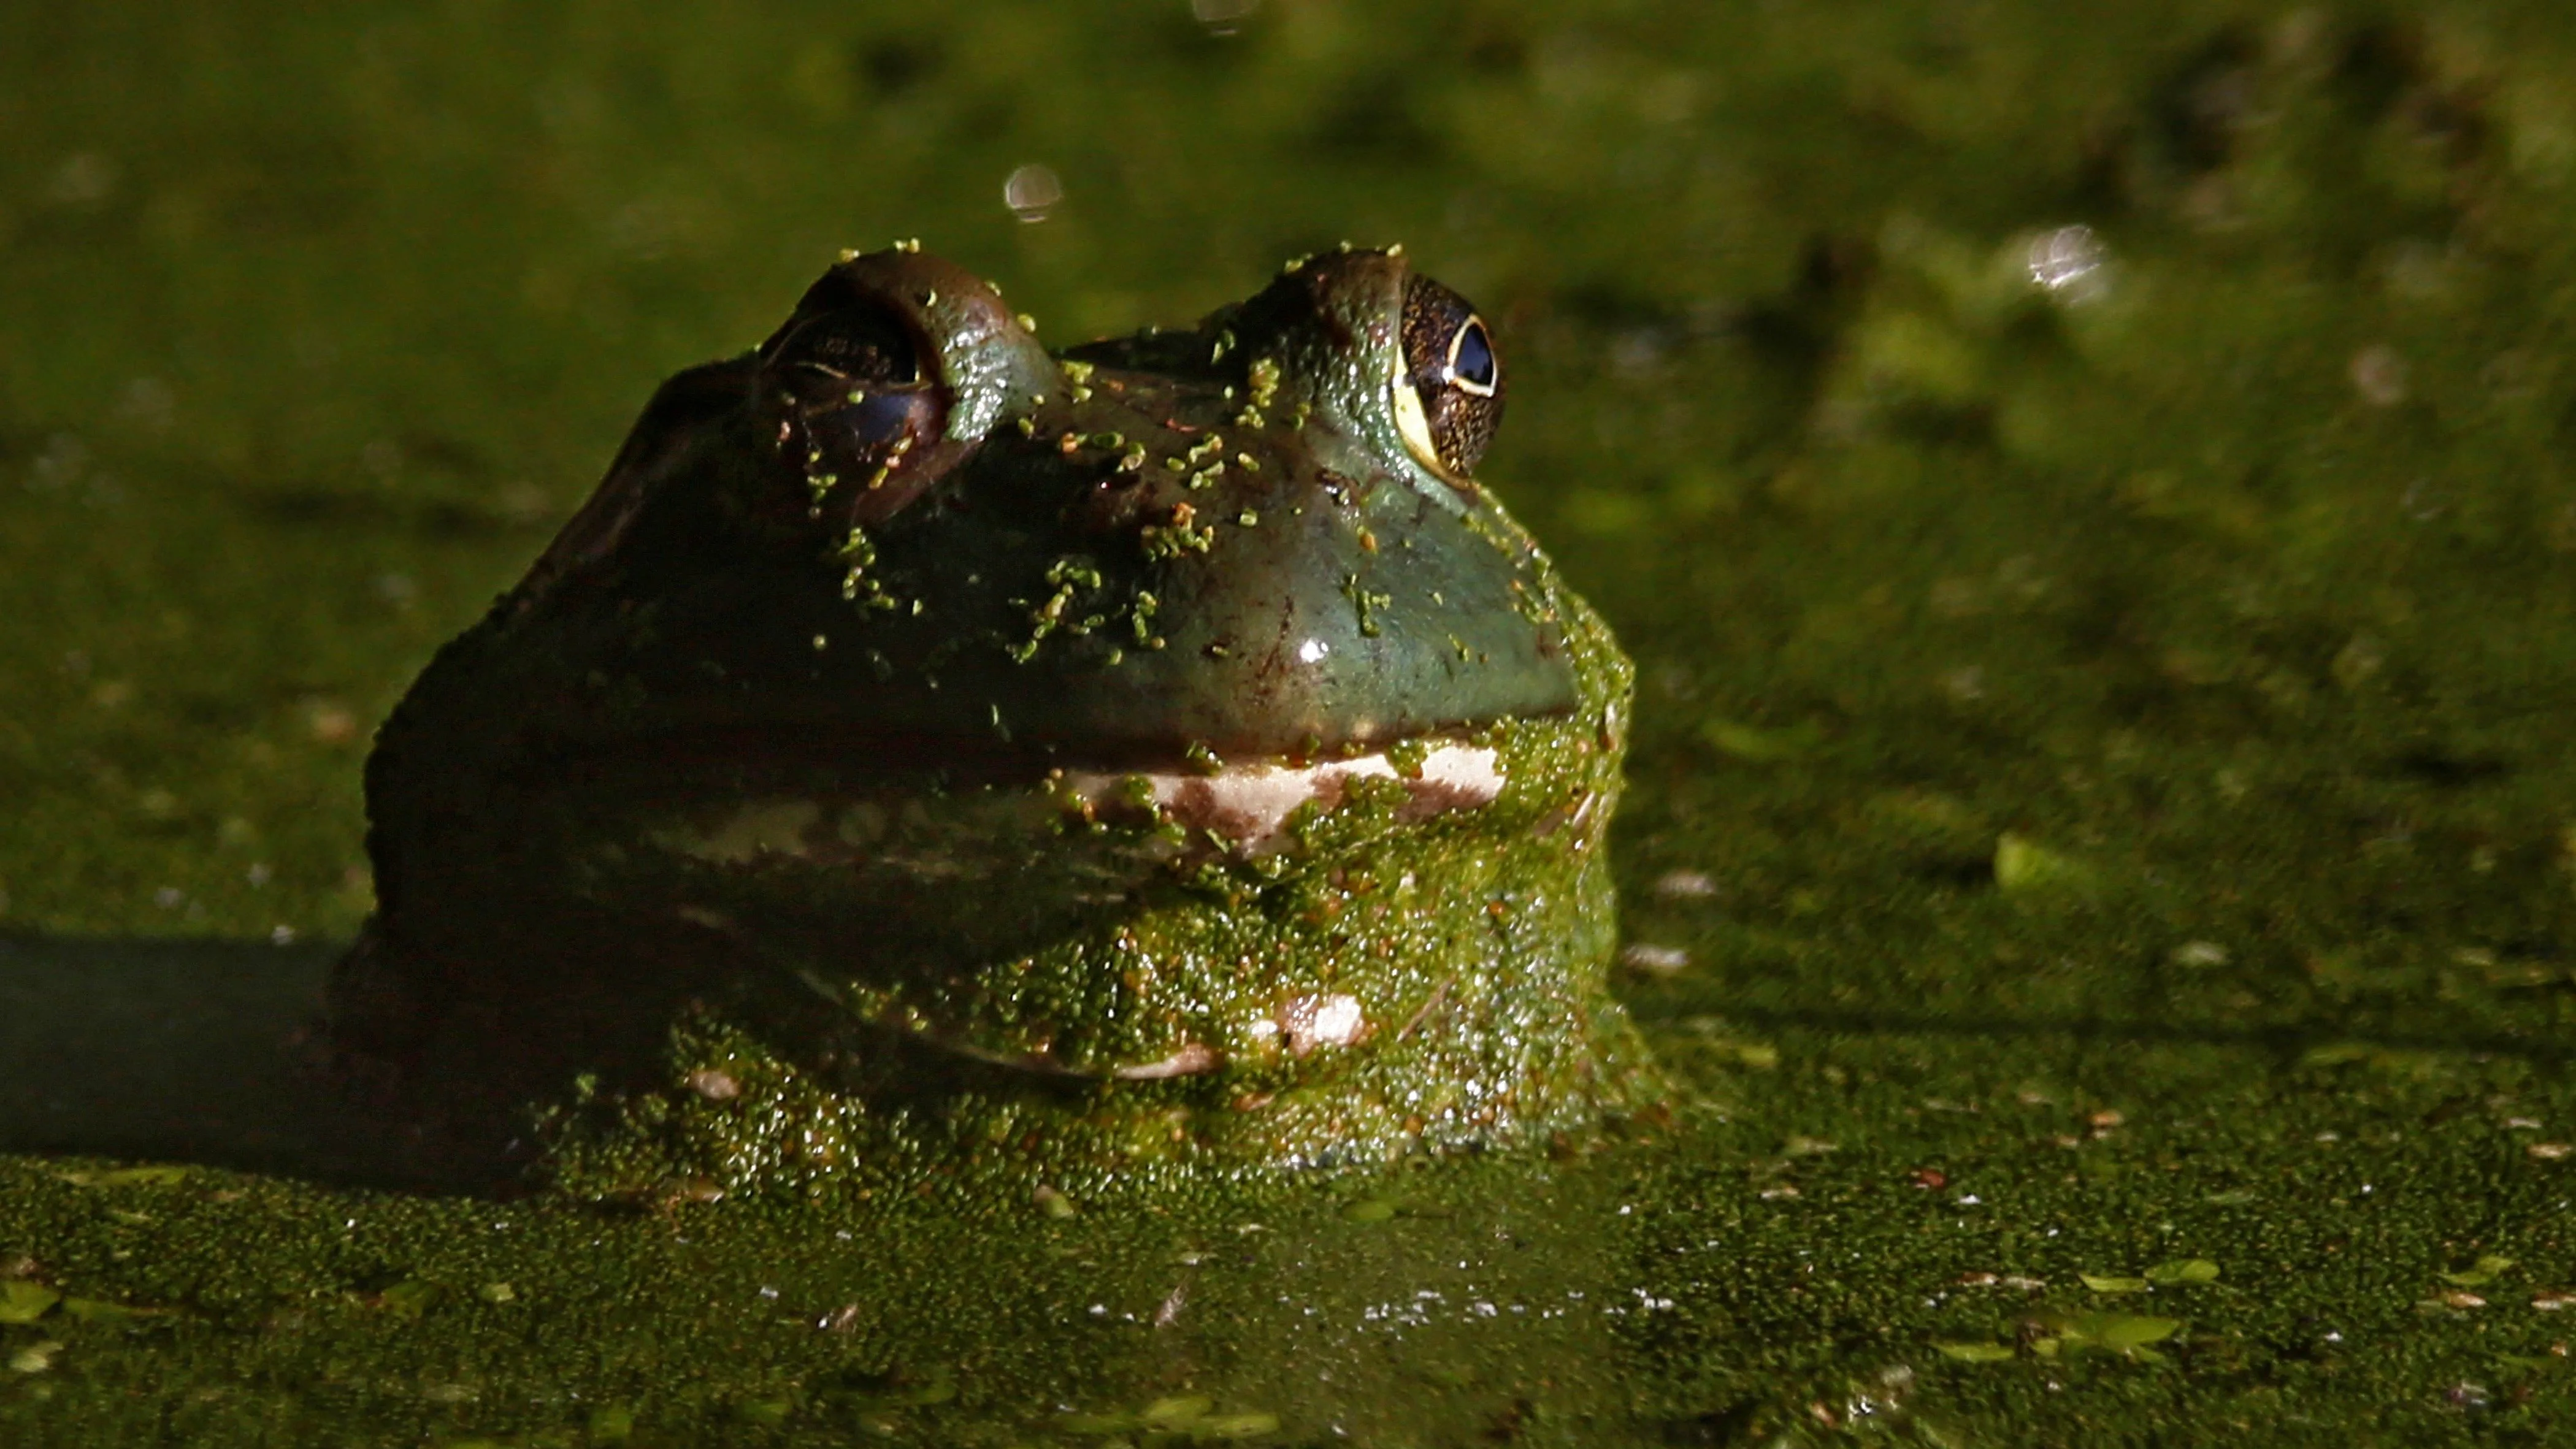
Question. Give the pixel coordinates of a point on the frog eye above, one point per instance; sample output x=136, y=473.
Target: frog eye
x=855, y=402
x=1449, y=398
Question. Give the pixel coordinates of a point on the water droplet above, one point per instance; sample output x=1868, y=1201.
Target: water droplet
x=2379, y=375
x=1223, y=17
x=1654, y=960
x=1682, y=885
x=1032, y=191
x=2067, y=263
x=84, y=181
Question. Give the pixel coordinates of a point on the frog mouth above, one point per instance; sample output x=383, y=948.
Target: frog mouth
x=1251, y=804
x=1251, y=808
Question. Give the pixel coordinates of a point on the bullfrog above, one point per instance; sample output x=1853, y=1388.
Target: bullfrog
x=925, y=750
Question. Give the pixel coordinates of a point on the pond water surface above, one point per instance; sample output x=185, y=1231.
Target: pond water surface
x=2085, y=488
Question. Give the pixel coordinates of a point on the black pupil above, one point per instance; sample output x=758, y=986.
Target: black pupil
x=1475, y=357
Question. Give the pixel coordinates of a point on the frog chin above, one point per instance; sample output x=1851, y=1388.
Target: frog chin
x=981, y=852
x=1189, y=1059
x=1251, y=804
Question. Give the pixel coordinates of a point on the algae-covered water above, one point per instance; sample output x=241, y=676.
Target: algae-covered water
x=2083, y=485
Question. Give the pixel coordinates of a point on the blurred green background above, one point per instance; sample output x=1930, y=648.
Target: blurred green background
x=2086, y=487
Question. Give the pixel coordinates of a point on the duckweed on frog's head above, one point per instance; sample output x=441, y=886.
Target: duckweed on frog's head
x=923, y=749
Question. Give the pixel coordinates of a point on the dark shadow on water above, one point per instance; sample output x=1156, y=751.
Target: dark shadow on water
x=1473, y=1300
x=195, y=1050
x=179, y=1051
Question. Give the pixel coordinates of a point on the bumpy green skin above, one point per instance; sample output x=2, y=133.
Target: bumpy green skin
x=788, y=824
x=1474, y=946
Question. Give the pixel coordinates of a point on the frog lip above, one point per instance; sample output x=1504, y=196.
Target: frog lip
x=1189, y=1059
x=1452, y=773
x=1250, y=804
x=1302, y=1024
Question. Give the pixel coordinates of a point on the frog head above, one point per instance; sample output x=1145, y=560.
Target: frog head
x=980, y=721
x=1256, y=537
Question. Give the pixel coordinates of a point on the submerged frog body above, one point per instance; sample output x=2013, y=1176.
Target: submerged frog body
x=1159, y=754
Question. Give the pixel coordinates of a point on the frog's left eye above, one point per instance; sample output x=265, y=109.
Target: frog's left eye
x=1449, y=398
x=860, y=413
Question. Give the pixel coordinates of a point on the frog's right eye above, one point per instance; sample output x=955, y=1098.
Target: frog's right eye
x=1449, y=398
x=854, y=402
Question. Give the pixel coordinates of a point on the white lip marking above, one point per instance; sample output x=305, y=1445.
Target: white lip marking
x=1321, y=1021
x=756, y=828
x=1189, y=1061
x=1248, y=804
